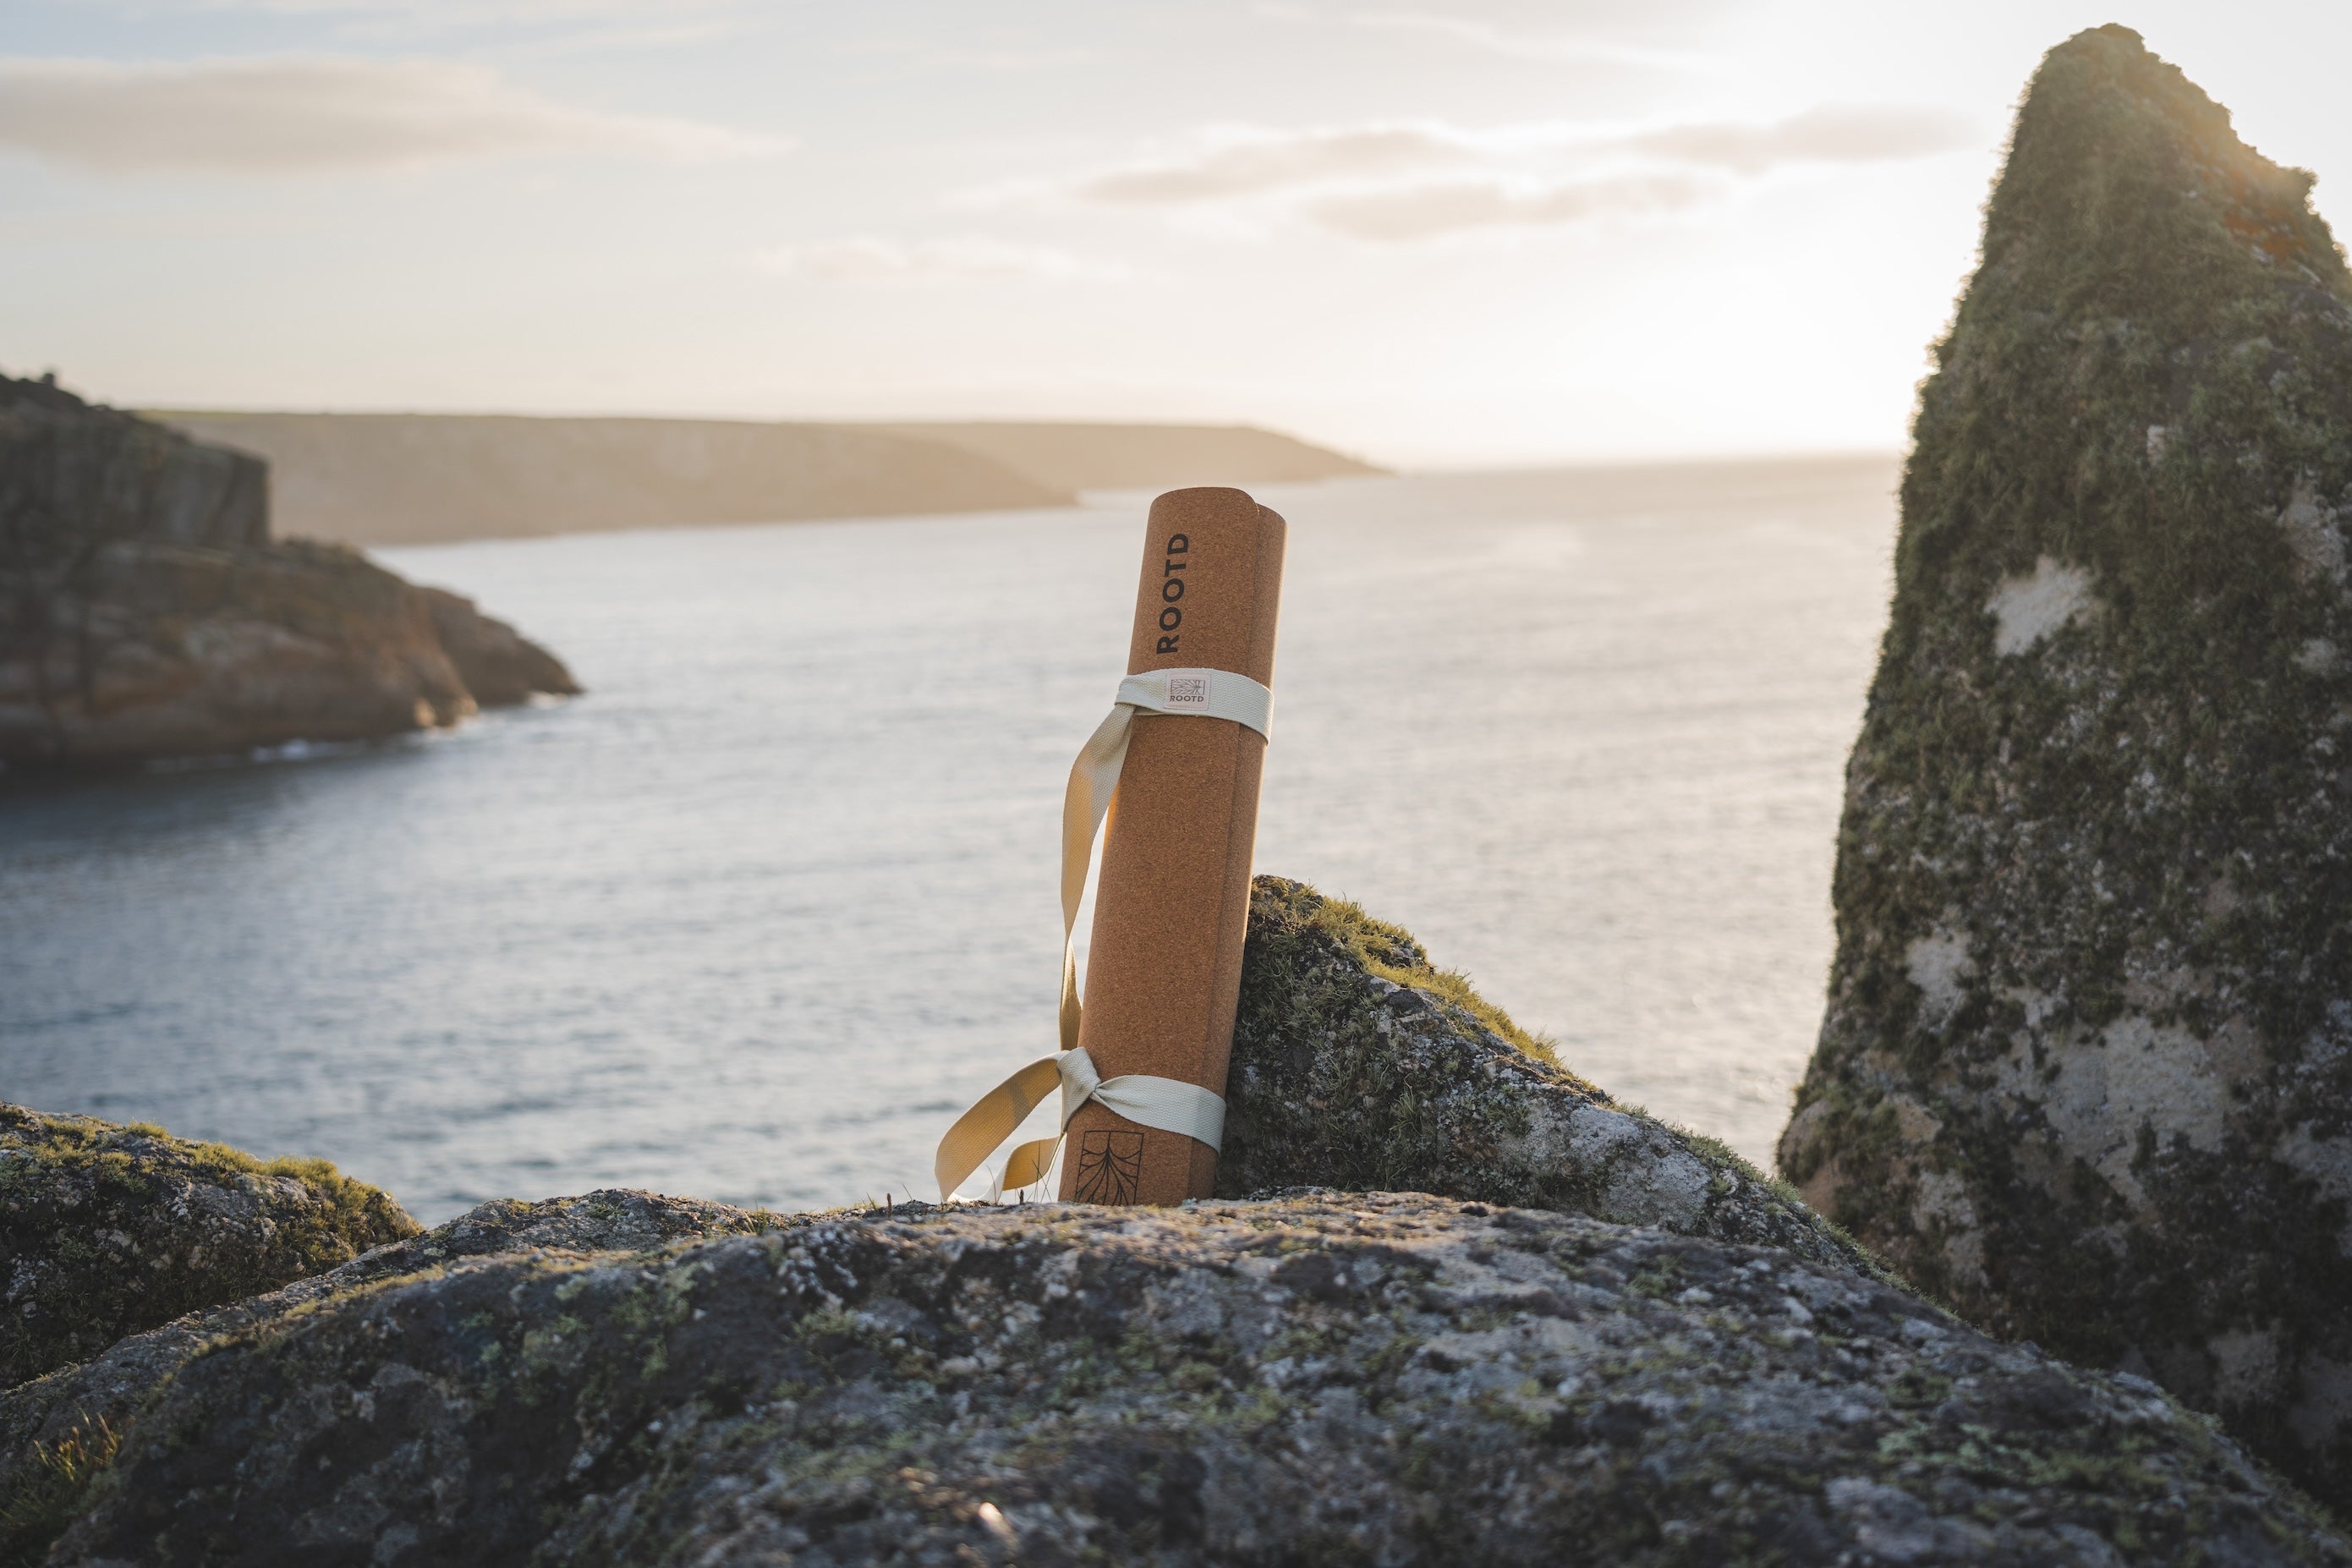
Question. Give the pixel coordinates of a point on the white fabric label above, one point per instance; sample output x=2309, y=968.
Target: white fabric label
x=1211, y=693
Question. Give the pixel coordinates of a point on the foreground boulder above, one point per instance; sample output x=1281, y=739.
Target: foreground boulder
x=2087, y=1067
x=1308, y=1376
x=145, y=613
x=58, y=1430
x=107, y=1230
x=1378, y=1379
x=499, y=665
x=1357, y=1065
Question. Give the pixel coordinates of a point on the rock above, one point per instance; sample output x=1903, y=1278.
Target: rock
x=1357, y=1066
x=2085, y=1070
x=88, y=468
x=499, y=665
x=145, y=617
x=85, y=1408
x=107, y=1230
x=1378, y=1379
x=198, y=652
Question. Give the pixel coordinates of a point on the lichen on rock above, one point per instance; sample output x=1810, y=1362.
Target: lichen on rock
x=1376, y=1379
x=1323, y=1377
x=107, y=1230
x=2085, y=1070
x=1358, y=1065
x=89, y=1407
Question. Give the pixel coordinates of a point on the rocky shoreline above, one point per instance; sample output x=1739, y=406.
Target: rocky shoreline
x=146, y=613
x=1632, y=1349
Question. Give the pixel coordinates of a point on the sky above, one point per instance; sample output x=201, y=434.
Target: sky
x=1437, y=236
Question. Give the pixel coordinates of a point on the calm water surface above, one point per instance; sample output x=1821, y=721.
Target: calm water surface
x=757, y=917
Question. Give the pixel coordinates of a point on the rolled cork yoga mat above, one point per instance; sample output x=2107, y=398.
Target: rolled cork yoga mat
x=1164, y=965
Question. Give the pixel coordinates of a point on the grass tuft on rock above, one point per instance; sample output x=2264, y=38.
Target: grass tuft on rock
x=47, y=1494
x=1360, y=1065
x=106, y=1230
x=1392, y=953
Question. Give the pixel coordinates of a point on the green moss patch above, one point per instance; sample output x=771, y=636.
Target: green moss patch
x=106, y=1230
x=1388, y=952
x=47, y=1494
x=2085, y=1069
x=1375, y=1379
x=1360, y=1065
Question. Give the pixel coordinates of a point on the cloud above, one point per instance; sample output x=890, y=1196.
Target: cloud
x=1833, y=134
x=471, y=13
x=1246, y=162
x=868, y=260
x=312, y=115
x=924, y=54
x=569, y=24
x=1493, y=39
x=1423, y=211
x=1403, y=182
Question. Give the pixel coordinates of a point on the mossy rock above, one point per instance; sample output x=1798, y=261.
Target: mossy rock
x=107, y=1230
x=59, y=1432
x=1360, y=1067
x=1378, y=1379
x=2085, y=1070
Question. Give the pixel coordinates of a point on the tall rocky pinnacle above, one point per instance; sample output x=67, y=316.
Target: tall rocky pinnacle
x=2086, y=1068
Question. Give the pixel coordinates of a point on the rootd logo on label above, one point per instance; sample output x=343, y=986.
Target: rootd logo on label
x=1172, y=588
x=1188, y=691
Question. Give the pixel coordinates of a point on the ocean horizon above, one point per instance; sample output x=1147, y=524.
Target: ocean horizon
x=756, y=917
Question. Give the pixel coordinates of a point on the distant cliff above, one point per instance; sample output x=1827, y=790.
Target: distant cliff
x=146, y=613
x=406, y=478
x=1141, y=457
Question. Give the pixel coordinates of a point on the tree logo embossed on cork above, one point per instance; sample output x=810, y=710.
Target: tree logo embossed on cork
x=1110, y=1167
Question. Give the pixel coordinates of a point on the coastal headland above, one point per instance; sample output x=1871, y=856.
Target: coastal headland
x=417, y=478
x=150, y=611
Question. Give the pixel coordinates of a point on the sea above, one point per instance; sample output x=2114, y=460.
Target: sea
x=755, y=918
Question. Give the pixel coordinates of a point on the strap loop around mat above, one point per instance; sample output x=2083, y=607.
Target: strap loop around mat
x=1169, y=1104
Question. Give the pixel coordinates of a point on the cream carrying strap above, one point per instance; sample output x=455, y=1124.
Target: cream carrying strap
x=1169, y=1104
